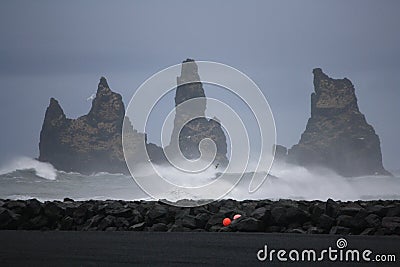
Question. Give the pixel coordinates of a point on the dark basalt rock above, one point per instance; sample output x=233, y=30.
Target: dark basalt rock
x=337, y=135
x=248, y=225
x=279, y=215
x=67, y=223
x=284, y=216
x=156, y=212
x=373, y=220
x=201, y=220
x=339, y=230
x=262, y=214
x=8, y=219
x=331, y=207
x=199, y=128
x=158, y=227
x=93, y=142
x=33, y=207
x=393, y=211
x=106, y=222
x=392, y=224
x=189, y=221
x=351, y=209
x=325, y=222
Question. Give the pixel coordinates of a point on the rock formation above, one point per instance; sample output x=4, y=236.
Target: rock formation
x=379, y=217
x=337, y=135
x=91, y=143
x=199, y=128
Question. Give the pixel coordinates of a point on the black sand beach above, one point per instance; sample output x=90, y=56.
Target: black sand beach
x=59, y=248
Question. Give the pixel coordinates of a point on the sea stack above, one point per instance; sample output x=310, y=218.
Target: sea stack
x=337, y=135
x=189, y=87
x=93, y=142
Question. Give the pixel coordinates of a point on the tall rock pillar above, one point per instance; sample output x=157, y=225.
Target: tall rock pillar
x=199, y=128
x=337, y=135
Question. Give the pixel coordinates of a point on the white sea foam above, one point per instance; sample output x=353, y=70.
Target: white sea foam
x=42, y=169
x=295, y=182
x=291, y=182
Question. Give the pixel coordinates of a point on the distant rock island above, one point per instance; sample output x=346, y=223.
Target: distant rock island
x=199, y=128
x=337, y=135
x=93, y=142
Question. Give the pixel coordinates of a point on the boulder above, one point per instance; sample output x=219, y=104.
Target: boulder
x=378, y=209
x=263, y=214
x=248, y=225
x=345, y=220
x=157, y=212
x=121, y=223
x=325, y=222
x=317, y=210
x=297, y=215
x=350, y=209
x=215, y=220
x=8, y=219
x=39, y=222
x=201, y=220
x=189, y=221
x=93, y=222
x=393, y=211
x=373, y=220
x=66, y=223
x=331, y=207
x=158, y=227
x=52, y=210
x=106, y=222
x=392, y=224
x=33, y=207
x=279, y=215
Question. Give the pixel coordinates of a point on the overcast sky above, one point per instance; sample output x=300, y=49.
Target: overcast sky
x=61, y=48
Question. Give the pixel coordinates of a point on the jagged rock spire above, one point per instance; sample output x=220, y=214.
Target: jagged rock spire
x=92, y=142
x=54, y=111
x=190, y=87
x=107, y=106
x=103, y=82
x=337, y=136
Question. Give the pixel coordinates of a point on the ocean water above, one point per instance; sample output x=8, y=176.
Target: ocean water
x=25, y=178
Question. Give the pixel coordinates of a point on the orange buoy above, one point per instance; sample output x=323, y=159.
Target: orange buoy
x=226, y=222
x=237, y=216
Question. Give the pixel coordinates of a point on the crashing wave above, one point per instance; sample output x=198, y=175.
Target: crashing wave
x=41, y=169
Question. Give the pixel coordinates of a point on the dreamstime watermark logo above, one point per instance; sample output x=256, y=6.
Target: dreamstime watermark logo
x=341, y=243
x=340, y=253
x=153, y=180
